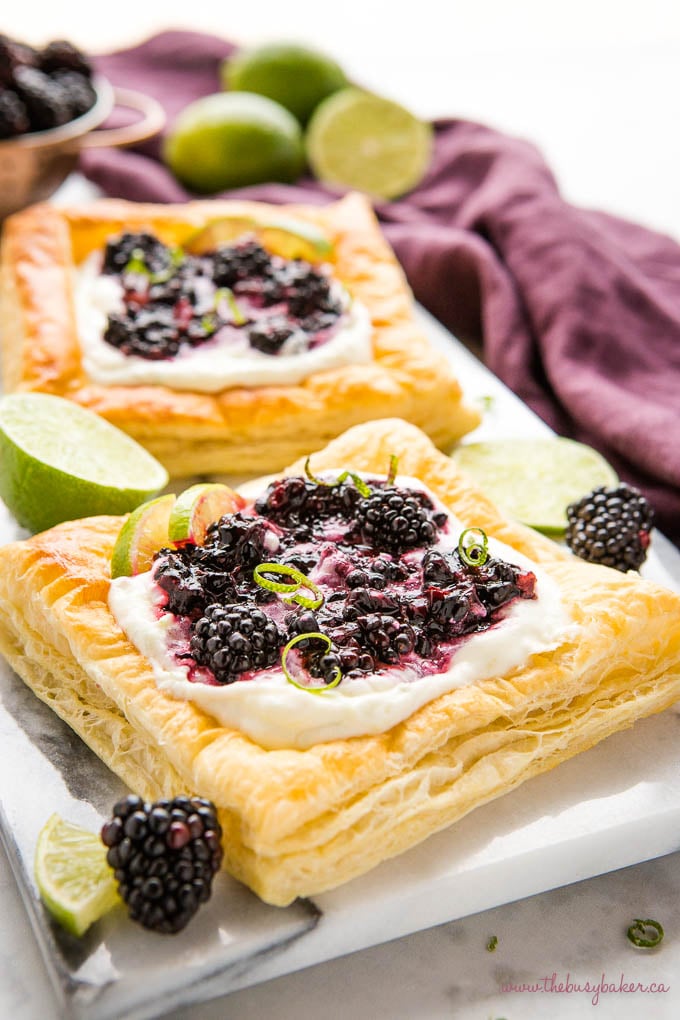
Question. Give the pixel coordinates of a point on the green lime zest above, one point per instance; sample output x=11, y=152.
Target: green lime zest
x=337, y=673
x=394, y=467
x=473, y=551
x=299, y=580
x=359, y=482
x=492, y=943
x=136, y=264
x=226, y=294
x=177, y=256
x=209, y=324
x=640, y=935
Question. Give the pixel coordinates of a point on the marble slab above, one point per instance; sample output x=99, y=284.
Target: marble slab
x=616, y=805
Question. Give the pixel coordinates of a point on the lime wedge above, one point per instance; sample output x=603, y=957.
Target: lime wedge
x=197, y=507
x=74, y=881
x=363, y=141
x=59, y=462
x=534, y=480
x=143, y=534
x=287, y=238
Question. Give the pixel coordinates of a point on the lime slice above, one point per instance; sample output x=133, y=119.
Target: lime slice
x=363, y=141
x=534, y=480
x=74, y=881
x=295, y=76
x=197, y=507
x=143, y=534
x=60, y=462
x=288, y=238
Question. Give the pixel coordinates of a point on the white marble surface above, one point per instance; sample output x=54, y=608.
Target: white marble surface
x=595, y=84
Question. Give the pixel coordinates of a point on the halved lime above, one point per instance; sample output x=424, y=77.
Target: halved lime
x=60, y=462
x=295, y=76
x=143, y=534
x=292, y=239
x=363, y=141
x=197, y=507
x=74, y=880
x=534, y=480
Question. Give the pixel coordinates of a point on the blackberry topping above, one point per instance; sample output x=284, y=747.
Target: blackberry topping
x=611, y=527
x=13, y=115
x=151, y=336
x=164, y=856
x=230, y=640
x=237, y=262
x=293, y=502
x=269, y=336
x=120, y=250
x=44, y=99
x=396, y=520
x=60, y=55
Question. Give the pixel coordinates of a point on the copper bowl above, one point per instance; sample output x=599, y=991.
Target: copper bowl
x=32, y=166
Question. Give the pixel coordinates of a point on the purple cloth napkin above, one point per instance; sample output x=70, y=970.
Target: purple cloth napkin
x=577, y=311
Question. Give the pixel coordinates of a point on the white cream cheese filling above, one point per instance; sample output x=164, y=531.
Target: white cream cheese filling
x=276, y=714
x=212, y=366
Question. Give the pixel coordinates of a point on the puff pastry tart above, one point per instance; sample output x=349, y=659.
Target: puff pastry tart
x=202, y=331
x=441, y=666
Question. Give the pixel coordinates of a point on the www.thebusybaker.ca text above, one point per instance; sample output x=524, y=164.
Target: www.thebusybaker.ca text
x=592, y=988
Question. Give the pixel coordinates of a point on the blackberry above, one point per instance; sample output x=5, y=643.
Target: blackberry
x=164, y=857
x=395, y=520
x=13, y=55
x=269, y=336
x=44, y=99
x=191, y=581
x=13, y=115
x=309, y=292
x=78, y=90
x=119, y=250
x=235, y=262
x=146, y=336
x=295, y=502
x=242, y=541
x=60, y=55
x=611, y=527
x=230, y=640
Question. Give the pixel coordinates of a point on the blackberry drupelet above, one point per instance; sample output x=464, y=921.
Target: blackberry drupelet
x=230, y=640
x=611, y=527
x=396, y=520
x=164, y=856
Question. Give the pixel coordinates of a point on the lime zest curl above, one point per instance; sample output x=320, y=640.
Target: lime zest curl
x=337, y=673
x=227, y=294
x=639, y=934
x=291, y=590
x=473, y=553
x=137, y=264
x=359, y=482
x=394, y=467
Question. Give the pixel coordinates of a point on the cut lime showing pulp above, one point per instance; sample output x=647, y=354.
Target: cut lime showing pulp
x=60, y=462
x=197, y=507
x=289, y=239
x=363, y=141
x=74, y=880
x=143, y=534
x=535, y=480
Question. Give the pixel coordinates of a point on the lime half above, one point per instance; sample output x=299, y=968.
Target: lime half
x=59, y=462
x=74, y=880
x=535, y=480
x=363, y=141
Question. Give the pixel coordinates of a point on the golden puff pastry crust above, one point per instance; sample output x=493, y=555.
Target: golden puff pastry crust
x=298, y=822
x=238, y=430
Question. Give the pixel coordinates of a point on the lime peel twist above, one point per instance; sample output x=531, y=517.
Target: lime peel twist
x=638, y=933
x=291, y=590
x=337, y=676
x=359, y=482
x=472, y=552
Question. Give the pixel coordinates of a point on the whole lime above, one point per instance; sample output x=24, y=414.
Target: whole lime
x=232, y=139
x=296, y=76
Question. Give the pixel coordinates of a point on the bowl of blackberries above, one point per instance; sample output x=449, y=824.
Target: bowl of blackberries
x=51, y=102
